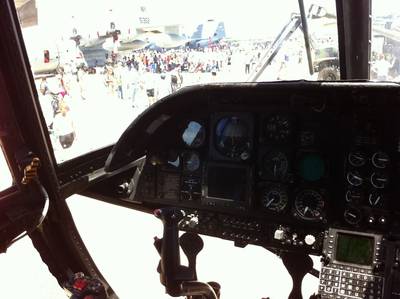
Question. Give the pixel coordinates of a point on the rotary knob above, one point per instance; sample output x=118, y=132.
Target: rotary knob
x=123, y=188
x=193, y=222
x=309, y=240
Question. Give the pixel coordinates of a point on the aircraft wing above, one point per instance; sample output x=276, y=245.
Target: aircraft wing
x=27, y=12
x=392, y=34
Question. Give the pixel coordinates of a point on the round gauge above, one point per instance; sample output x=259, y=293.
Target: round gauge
x=380, y=160
x=274, y=198
x=357, y=159
x=354, y=178
x=232, y=137
x=352, y=215
x=191, y=161
x=379, y=180
x=309, y=205
x=277, y=128
x=354, y=196
x=194, y=135
x=312, y=167
x=375, y=199
x=275, y=165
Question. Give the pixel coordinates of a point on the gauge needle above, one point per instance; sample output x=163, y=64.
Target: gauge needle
x=306, y=210
x=376, y=200
x=270, y=202
x=352, y=215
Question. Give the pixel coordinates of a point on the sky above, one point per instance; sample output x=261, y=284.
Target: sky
x=243, y=19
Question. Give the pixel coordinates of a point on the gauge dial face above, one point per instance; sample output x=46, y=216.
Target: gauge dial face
x=379, y=180
x=274, y=198
x=380, y=160
x=277, y=128
x=309, y=205
x=232, y=137
x=194, y=135
x=357, y=158
x=191, y=161
x=354, y=178
x=354, y=196
x=275, y=165
x=352, y=215
x=375, y=199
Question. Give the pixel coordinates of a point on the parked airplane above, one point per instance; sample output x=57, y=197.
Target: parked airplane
x=202, y=38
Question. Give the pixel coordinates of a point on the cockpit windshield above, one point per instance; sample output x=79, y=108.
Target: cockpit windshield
x=97, y=65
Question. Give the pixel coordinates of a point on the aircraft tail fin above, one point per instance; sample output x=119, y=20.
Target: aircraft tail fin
x=198, y=34
x=220, y=31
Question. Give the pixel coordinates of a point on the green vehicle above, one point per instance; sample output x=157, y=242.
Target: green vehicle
x=326, y=63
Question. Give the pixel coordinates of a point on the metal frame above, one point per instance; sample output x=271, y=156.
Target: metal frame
x=58, y=240
x=354, y=33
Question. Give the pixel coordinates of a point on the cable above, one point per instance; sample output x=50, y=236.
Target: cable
x=42, y=217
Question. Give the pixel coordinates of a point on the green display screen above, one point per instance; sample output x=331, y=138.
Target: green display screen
x=354, y=249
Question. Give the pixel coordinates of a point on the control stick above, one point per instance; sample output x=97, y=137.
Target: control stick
x=298, y=265
x=180, y=280
x=191, y=245
x=171, y=271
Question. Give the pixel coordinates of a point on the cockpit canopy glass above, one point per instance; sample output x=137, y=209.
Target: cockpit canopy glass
x=98, y=65
x=385, y=41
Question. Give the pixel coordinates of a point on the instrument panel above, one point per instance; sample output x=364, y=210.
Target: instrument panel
x=275, y=163
x=276, y=167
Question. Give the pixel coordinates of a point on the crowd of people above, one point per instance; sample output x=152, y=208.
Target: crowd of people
x=385, y=67
x=138, y=78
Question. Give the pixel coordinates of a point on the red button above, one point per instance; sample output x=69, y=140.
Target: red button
x=80, y=284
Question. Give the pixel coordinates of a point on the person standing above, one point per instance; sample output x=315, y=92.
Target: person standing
x=247, y=64
x=141, y=101
x=109, y=80
x=118, y=81
x=164, y=87
x=80, y=78
x=382, y=67
x=132, y=78
x=63, y=126
x=44, y=87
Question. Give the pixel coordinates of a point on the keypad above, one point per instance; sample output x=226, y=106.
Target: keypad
x=339, y=282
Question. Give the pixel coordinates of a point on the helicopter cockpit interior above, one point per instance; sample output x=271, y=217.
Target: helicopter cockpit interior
x=300, y=168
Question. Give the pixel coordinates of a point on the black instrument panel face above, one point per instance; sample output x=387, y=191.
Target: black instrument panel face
x=308, y=158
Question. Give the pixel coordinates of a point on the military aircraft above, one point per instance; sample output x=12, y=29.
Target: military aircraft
x=207, y=34
x=299, y=168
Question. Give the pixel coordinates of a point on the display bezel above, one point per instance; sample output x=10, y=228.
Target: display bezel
x=332, y=241
x=215, y=154
x=346, y=245
x=207, y=199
